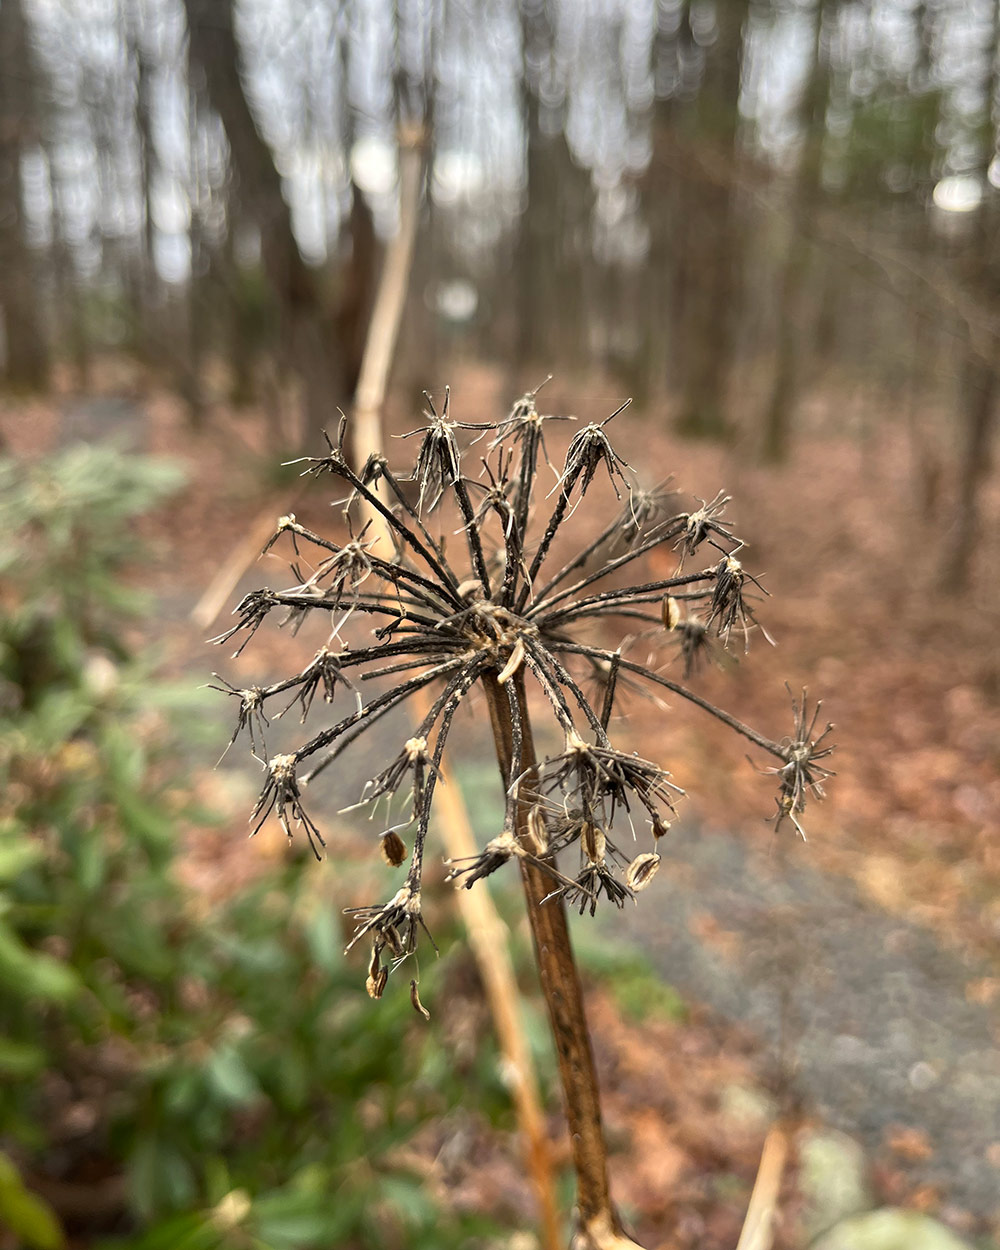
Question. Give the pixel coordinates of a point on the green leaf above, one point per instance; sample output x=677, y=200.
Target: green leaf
x=29, y=1217
x=33, y=974
x=182, y=1232
x=17, y=853
x=183, y=1091
x=286, y=1232
x=142, y=1176
x=20, y=1059
x=91, y=864
x=408, y=1198
x=160, y=1177
x=323, y=934
x=230, y=1078
x=288, y=1221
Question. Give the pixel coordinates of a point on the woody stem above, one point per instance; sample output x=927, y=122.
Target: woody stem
x=599, y=1227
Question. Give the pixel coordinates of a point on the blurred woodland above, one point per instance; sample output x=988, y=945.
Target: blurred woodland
x=776, y=225
x=734, y=205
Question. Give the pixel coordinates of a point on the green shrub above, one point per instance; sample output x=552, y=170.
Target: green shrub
x=215, y=1073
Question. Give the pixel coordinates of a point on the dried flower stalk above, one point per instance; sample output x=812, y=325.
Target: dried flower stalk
x=507, y=615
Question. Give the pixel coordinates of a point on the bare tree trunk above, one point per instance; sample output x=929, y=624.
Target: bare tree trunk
x=788, y=370
x=713, y=257
x=980, y=387
x=552, y=248
x=148, y=279
x=196, y=329
x=307, y=335
x=25, y=359
x=71, y=329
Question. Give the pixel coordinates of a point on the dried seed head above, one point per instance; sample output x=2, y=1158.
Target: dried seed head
x=503, y=843
x=593, y=841
x=642, y=870
x=596, y=879
x=393, y=924
x=392, y=847
x=705, y=523
x=494, y=855
x=491, y=612
x=588, y=450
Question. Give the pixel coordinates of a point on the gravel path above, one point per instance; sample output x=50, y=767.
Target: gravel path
x=870, y=1012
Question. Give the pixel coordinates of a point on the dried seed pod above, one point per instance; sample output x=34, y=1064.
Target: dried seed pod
x=377, y=975
x=417, y=1004
x=642, y=870
x=514, y=662
x=593, y=841
x=471, y=588
x=538, y=831
x=671, y=613
x=661, y=827
x=392, y=847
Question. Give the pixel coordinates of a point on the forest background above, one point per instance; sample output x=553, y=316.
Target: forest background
x=776, y=226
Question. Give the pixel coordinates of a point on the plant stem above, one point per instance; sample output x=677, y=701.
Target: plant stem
x=598, y=1224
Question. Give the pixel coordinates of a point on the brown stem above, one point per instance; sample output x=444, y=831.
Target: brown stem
x=599, y=1227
